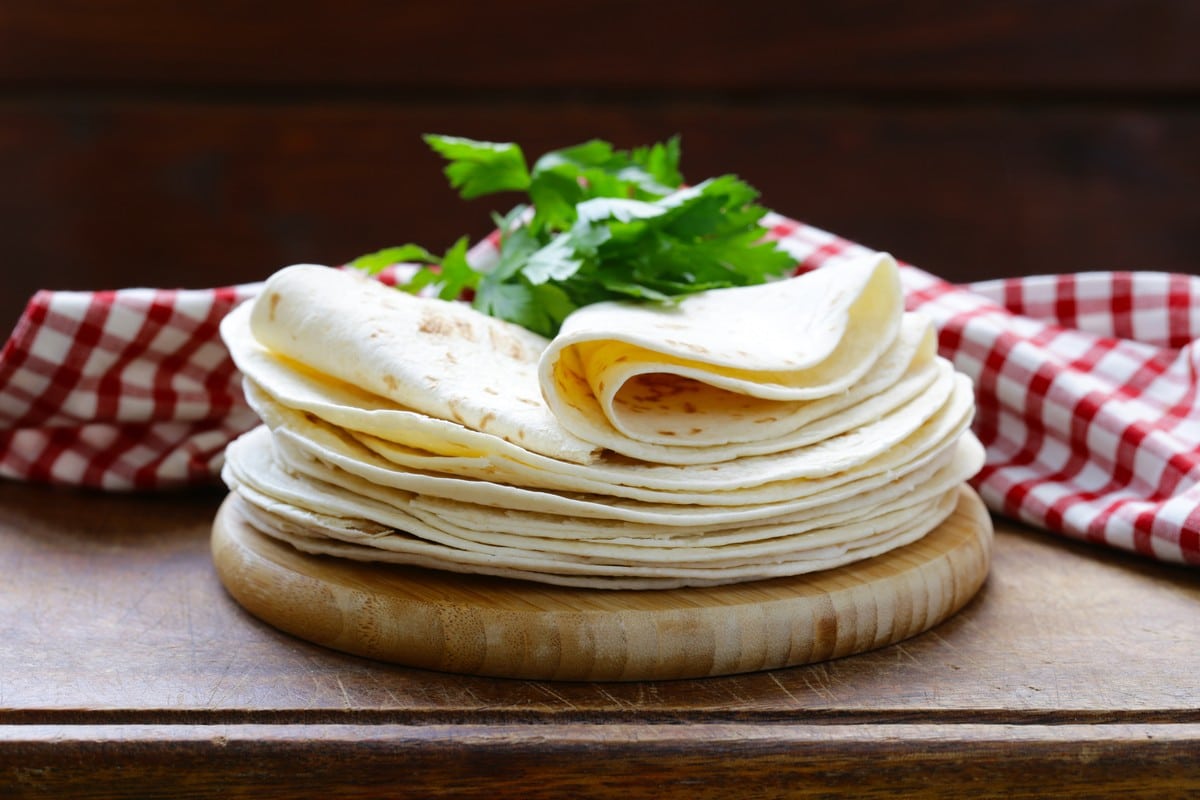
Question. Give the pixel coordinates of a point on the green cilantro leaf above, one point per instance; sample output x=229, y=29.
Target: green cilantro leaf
x=600, y=224
x=479, y=168
x=451, y=275
x=374, y=263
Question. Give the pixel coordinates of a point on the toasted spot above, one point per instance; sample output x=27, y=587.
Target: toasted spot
x=390, y=382
x=761, y=420
x=695, y=348
x=666, y=433
x=503, y=343
x=437, y=324
x=272, y=305
x=485, y=419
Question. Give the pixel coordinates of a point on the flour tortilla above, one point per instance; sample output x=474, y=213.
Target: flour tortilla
x=253, y=471
x=622, y=477
x=307, y=441
x=331, y=456
x=865, y=536
x=905, y=369
x=861, y=496
x=444, y=360
x=720, y=366
x=318, y=533
x=744, y=434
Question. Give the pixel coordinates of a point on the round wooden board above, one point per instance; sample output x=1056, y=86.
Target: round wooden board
x=509, y=628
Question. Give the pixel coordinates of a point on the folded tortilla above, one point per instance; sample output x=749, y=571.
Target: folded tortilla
x=441, y=360
x=737, y=365
x=737, y=435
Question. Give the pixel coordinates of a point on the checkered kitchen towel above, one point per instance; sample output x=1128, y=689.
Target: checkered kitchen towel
x=1086, y=388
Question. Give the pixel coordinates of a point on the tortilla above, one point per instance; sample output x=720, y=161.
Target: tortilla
x=255, y=471
x=904, y=369
x=624, y=477
x=323, y=534
x=316, y=447
x=720, y=367
x=436, y=358
x=644, y=447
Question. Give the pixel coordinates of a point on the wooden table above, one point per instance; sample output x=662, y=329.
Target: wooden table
x=126, y=671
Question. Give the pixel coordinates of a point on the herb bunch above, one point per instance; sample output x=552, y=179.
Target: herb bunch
x=597, y=223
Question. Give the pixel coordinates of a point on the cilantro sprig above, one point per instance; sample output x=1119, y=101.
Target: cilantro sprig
x=597, y=224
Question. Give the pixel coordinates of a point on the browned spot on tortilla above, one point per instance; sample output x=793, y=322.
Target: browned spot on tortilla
x=485, y=419
x=390, y=382
x=528, y=402
x=689, y=408
x=695, y=348
x=444, y=325
x=761, y=420
x=503, y=343
x=694, y=431
x=490, y=390
x=455, y=414
x=450, y=357
x=666, y=433
x=654, y=386
x=272, y=304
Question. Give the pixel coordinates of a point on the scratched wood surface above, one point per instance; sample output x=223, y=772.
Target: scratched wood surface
x=144, y=143
x=124, y=660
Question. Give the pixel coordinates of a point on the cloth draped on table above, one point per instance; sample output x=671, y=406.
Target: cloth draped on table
x=1086, y=389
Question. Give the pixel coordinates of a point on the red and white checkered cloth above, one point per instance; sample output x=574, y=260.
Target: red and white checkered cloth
x=1086, y=387
x=128, y=389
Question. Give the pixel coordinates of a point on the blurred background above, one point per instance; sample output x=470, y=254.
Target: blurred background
x=205, y=143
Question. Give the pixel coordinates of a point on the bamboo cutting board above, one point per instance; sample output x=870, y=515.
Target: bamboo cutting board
x=508, y=628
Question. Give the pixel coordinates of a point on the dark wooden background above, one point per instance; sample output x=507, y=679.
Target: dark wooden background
x=203, y=143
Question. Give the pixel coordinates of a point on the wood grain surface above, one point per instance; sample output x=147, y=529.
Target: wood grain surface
x=433, y=45
x=157, y=144
x=127, y=671
x=514, y=629
x=196, y=144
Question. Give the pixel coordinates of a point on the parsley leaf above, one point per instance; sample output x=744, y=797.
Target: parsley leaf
x=600, y=224
x=479, y=168
x=374, y=263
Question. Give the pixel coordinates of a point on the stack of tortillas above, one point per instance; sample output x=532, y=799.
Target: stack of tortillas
x=738, y=435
